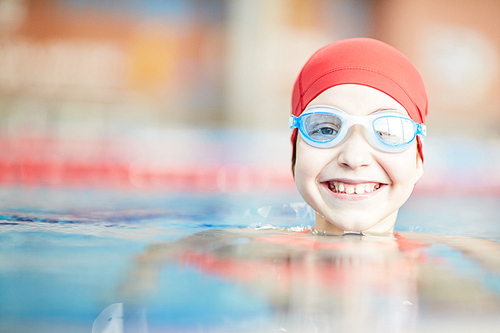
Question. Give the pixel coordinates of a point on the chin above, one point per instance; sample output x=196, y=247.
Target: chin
x=362, y=224
x=347, y=224
x=355, y=227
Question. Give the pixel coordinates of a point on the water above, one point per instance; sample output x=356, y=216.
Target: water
x=83, y=261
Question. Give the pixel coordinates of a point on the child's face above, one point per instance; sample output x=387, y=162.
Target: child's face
x=387, y=179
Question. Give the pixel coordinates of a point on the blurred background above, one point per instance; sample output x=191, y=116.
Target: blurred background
x=195, y=94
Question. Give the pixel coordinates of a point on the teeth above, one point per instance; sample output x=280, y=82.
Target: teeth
x=360, y=189
x=349, y=189
x=339, y=187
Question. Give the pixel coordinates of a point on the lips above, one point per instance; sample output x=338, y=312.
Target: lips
x=352, y=189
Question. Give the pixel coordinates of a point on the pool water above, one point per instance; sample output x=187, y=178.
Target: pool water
x=104, y=261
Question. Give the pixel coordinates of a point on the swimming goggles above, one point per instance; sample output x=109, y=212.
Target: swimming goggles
x=325, y=127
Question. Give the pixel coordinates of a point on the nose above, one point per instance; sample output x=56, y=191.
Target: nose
x=355, y=151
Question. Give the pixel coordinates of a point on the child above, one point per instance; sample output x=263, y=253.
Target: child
x=359, y=106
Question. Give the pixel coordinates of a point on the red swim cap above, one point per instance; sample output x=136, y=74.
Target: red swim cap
x=367, y=62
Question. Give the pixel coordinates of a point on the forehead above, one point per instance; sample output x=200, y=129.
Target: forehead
x=357, y=99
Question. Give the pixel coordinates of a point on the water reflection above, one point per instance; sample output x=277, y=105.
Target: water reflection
x=350, y=283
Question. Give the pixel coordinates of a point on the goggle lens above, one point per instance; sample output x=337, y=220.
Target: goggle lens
x=394, y=131
x=322, y=127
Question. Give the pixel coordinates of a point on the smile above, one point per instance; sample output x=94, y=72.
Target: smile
x=340, y=187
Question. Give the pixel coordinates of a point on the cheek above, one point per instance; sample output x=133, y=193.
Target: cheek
x=308, y=166
x=402, y=168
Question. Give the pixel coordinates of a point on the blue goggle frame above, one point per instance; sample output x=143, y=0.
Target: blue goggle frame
x=325, y=127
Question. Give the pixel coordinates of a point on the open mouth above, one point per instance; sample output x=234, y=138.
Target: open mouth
x=340, y=187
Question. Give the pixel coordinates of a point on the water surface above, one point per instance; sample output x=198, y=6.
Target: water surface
x=148, y=262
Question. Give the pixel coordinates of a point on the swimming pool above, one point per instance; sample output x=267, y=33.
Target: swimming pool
x=189, y=263
x=76, y=259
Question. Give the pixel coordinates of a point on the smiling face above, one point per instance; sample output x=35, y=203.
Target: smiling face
x=354, y=187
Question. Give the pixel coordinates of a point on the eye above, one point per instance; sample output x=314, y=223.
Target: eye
x=327, y=131
x=324, y=131
x=322, y=126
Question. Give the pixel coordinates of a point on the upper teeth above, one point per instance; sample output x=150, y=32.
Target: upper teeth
x=340, y=187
